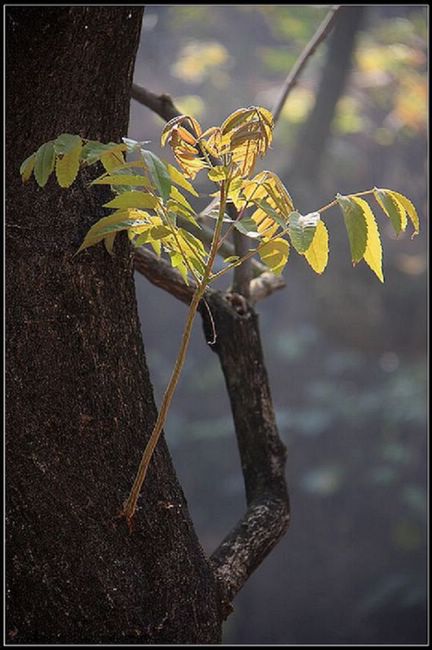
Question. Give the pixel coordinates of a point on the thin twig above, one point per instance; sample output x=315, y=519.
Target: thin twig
x=291, y=80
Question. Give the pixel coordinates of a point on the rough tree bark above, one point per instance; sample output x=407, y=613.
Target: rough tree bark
x=79, y=400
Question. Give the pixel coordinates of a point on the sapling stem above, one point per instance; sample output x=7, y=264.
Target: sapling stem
x=129, y=507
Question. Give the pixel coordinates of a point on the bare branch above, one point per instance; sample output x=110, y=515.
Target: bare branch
x=262, y=453
x=291, y=80
x=162, y=105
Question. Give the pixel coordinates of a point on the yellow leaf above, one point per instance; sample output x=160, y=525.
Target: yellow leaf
x=109, y=242
x=317, y=253
x=373, y=252
x=178, y=178
x=67, y=166
x=112, y=159
x=409, y=208
x=275, y=254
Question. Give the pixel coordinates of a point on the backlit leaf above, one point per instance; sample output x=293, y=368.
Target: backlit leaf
x=133, y=200
x=274, y=254
x=409, y=209
x=93, y=150
x=178, y=178
x=356, y=226
x=134, y=180
x=373, y=252
x=158, y=173
x=114, y=223
x=392, y=208
x=179, y=198
x=218, y=173
x=159, y=232
x=178, y=263
x=44, y=163
x=68, y=164
x=317, y=253
x=112, y=159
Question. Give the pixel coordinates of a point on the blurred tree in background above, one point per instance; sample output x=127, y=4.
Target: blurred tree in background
x=346, y=355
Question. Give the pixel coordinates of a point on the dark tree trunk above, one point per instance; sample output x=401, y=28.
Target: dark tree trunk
x=79, y=402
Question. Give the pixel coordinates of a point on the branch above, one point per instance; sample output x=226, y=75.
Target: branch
x=161, y=274
x=162, y=105
x=291, y=80
x=261, y=451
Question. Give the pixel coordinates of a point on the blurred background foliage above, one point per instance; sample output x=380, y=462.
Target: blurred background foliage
x=346, y=355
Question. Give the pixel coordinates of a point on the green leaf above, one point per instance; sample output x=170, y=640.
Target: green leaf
x=159, y=174
x=317, y=253
x=67, y=166
x=231, y=258
x=301, y=230
x=178, y=263
x=271, y=212
x=373, y=252
x=115, y=222
x=133, y=200
x=44, y=163
x=179, y=198
x=274, y=254
x=133, y=180
x=218, y=173
x=66, y=142
x=159, y=232
x=409, y=209
x=392, y=209
x=356, y=226
x=93, y=150
x=178, y=178
x=195, y=244
x=247, y=227
x=112, y=159
x=27, y=167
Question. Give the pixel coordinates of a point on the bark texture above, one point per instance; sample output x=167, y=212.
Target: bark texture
x=79, y=401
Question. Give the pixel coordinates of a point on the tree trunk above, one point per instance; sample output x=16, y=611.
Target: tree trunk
x=311, y=144
x=79, y=401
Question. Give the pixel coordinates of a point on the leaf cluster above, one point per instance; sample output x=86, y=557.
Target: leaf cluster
x=150, y=203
